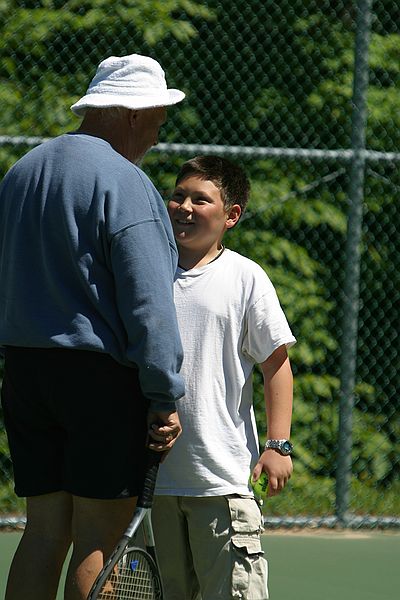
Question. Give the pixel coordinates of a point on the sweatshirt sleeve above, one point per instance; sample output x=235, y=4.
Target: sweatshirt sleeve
x=143, y=263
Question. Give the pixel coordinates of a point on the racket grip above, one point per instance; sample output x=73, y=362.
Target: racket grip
x=153, y=459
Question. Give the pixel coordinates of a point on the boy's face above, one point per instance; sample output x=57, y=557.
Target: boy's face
x=198, y=214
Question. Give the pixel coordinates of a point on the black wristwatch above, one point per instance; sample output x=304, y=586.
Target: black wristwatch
x=283, y=446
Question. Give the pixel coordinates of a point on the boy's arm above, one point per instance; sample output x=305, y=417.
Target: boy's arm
x=278, y=394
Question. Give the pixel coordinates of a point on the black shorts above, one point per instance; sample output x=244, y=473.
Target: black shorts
x=76, y=422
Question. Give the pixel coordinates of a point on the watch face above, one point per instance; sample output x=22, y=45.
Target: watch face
x=286, y=447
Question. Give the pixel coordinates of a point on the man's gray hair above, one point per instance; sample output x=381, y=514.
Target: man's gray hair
x=107, y=114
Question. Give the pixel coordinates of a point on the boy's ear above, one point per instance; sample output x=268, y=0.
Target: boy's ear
x=233, y=216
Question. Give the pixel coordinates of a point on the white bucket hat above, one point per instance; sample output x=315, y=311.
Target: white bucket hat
x=133, y=81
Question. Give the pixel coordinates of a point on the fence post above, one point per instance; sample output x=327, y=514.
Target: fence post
x=352, y=268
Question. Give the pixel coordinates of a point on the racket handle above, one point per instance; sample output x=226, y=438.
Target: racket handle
x=153, y=458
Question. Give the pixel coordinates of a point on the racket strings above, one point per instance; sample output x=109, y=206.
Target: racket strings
x=133, y=578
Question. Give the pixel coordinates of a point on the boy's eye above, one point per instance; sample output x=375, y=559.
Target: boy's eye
x=179, y=198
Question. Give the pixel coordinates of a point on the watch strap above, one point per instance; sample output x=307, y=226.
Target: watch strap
x=284, y=446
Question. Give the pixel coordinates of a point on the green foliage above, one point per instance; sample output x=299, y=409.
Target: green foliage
x=50, y=51
x=153, y=20
x=9, y=504
x=297, y=276
x=259, y=73
x=304, y=495
x=315, y=431
x=5, y=465
x=315, y=427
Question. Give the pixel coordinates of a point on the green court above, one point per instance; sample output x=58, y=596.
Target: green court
x=315, y=566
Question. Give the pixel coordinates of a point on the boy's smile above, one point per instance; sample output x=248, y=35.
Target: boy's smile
x=198, y=216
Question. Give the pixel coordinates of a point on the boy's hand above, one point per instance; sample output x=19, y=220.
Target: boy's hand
x=164, y=429
x=278, y=468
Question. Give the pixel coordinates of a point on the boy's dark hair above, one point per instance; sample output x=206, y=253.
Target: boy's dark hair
x=228, y=177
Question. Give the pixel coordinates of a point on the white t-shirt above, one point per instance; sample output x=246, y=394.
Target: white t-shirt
x=229, y=318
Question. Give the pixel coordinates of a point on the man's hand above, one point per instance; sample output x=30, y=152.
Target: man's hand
x=278, y=468
x=164, y=429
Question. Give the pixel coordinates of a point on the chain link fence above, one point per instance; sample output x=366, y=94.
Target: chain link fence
x=306, y=96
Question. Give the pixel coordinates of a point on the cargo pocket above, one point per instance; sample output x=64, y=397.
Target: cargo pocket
x=250, y=568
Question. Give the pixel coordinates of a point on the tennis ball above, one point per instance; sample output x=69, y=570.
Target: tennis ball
x=260, y=487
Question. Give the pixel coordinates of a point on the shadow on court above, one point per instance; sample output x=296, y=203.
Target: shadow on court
x=314, y=566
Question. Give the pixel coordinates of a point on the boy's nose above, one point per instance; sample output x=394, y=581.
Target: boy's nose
x=186, y=205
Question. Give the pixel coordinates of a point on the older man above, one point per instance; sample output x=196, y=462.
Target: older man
x=88, y=324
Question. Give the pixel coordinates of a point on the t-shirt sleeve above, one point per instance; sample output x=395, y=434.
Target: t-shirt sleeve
x=267, y=327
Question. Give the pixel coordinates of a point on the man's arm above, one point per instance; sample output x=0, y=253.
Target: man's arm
x=278, y=395
x=143, y=274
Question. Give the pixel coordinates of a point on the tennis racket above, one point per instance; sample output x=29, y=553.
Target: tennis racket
x=131, y=573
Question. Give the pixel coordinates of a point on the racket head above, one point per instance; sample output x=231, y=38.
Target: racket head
x=134, y=577
x=102, y=587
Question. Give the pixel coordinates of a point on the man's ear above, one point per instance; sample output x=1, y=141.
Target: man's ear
x=132, y=116
x=233, y=216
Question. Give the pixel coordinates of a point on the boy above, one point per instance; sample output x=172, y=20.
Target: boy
x=207, y=522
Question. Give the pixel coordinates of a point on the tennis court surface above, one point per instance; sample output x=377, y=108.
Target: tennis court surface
x=320, y=565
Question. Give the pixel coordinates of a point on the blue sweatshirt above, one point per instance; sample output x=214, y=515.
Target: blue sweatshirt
x=87, y=259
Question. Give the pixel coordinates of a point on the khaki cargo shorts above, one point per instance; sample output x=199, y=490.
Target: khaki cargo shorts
x=209, y=548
